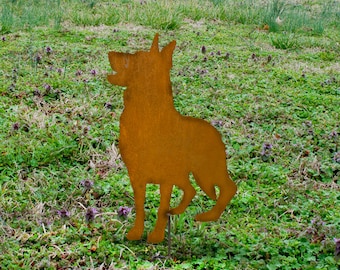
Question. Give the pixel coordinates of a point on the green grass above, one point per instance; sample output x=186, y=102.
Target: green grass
x=59, y=125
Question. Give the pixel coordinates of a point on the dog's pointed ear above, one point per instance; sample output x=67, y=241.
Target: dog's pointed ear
x=169, y=49
x=154, y=46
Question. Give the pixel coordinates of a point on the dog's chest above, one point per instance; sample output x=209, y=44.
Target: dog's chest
x=144, y=126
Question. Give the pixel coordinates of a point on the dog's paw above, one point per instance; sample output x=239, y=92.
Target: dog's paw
x=155, y=237
x=207, y=216
x=134, y=234
x=176, y=211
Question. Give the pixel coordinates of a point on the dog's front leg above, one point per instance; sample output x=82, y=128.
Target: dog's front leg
x=157, y=235
x=136, y=231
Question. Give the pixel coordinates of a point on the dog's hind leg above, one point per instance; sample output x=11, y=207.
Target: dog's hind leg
x=139, y=189
x=209, y=175
x=157, y=235
x=188, y=193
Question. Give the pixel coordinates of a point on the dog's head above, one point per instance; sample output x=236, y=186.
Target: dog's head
x=141, y=65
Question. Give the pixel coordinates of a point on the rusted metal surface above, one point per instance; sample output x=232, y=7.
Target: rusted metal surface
x=160, y=146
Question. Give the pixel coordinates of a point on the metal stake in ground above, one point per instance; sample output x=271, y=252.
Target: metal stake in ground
x=169, y=236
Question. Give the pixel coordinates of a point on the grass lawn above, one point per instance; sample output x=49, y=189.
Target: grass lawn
x=266, y=74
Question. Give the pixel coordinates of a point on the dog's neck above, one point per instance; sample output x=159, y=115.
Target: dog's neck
x=153, y=96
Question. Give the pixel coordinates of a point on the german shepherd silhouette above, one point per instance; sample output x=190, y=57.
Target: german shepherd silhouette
x=160, y=146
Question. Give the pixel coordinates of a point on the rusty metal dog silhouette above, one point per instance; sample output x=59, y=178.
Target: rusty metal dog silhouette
x=160, y=146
